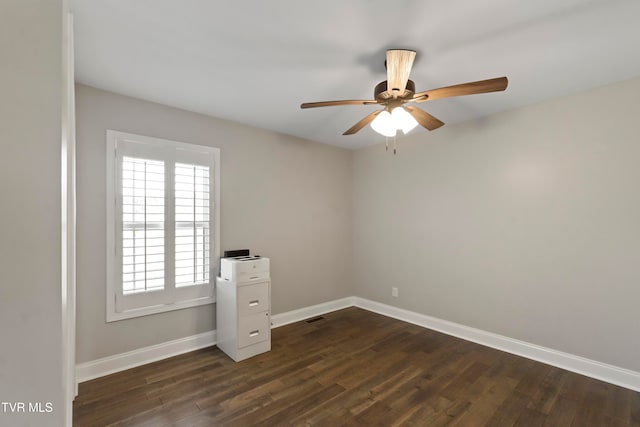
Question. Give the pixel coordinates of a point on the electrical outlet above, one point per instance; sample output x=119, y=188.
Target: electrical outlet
x=394, y=292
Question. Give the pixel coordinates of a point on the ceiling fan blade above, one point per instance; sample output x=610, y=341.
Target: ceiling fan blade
x=425, y=119
x=472, y=88
x=399, y=63
x=332, y=103
x=362, y=123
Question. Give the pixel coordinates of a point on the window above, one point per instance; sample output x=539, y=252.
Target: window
x=162, y=224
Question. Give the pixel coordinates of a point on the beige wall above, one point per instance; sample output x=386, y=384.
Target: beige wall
x=283, y=197
x=525, y=224
x=30, y=182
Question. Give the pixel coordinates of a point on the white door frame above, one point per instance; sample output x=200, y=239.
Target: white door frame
x=68, y=220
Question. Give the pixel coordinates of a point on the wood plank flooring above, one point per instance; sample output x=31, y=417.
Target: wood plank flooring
x=354, y=368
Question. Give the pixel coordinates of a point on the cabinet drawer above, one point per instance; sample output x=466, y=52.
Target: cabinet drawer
x=251, y=276
x=253, y=298
x=253, y=329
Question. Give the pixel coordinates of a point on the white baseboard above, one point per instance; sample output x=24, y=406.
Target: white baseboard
x=120, y=362
x=591, y=368
x=282, y=319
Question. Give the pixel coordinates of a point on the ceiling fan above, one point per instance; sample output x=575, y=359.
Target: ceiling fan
x=398, y=90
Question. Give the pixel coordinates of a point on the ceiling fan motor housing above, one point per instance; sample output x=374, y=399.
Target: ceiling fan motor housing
x=382, y=94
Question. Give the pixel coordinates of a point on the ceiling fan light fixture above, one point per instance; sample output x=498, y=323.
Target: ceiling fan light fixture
x=402, y=120
x=384, y=124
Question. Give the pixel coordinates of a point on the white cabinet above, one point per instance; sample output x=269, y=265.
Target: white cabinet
x=243, y=316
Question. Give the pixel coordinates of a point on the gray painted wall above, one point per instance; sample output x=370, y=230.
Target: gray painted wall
x=283, y=197
x=522, y=224
x=30, y=182
x=525, y=224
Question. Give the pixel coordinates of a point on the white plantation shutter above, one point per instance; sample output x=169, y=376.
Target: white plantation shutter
x=163, y=224
x=191, y=224
x=142, y=225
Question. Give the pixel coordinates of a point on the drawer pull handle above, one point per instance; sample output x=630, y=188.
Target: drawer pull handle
x=254, y=333
x=254, y=303
x=254, y=277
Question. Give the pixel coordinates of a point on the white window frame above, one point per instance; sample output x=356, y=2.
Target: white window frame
x=120, y=306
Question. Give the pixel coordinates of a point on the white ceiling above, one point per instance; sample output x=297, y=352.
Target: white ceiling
x=254, y=62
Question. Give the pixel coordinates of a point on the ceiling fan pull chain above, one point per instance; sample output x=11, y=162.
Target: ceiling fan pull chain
x=386, y=143
x=394, y=145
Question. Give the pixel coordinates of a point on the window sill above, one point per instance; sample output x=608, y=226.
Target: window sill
x=146, y=311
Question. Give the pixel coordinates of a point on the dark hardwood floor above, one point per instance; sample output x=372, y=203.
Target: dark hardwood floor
x=353, y=367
